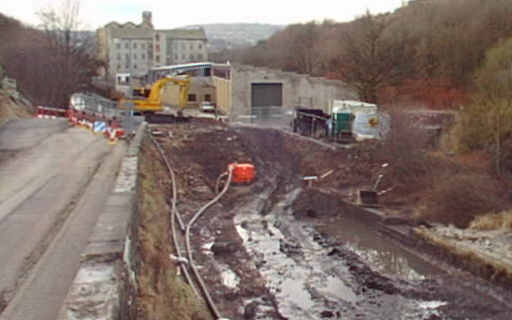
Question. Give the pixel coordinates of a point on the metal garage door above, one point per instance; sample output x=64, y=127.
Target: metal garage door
x=266, y=95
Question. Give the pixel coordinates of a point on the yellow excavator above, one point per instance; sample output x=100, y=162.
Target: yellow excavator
x=153, y=101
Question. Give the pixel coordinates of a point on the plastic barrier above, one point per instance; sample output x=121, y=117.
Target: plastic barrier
x=50, y=113
x=99, y=127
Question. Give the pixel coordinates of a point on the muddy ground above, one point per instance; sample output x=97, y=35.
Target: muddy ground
x=278, y=249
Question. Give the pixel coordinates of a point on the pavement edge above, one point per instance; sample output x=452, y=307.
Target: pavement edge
x=98, y=288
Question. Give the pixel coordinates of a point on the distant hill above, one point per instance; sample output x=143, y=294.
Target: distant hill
x=236, y=35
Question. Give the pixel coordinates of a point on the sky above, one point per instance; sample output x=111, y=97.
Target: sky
x=169, y=14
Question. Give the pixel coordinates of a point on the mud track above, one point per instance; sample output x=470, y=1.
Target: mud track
x=277, y=249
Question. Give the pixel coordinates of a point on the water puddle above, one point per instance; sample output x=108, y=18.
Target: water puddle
x=229, y=278
x=299, y=283
x=307, y=282
x=380, y=254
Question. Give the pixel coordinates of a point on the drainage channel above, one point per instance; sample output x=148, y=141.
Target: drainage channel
x=309, y=282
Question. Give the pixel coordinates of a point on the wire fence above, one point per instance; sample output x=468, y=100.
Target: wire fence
x=268, y=117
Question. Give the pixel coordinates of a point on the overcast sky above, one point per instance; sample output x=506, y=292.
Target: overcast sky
x=175, y=13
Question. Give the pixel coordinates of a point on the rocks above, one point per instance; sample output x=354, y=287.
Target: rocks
x=222, y=248
x=250, y=310
x=289, y=248
x=327, y=314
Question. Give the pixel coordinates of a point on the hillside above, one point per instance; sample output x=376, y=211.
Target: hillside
x=426, y=51
x=235, y=35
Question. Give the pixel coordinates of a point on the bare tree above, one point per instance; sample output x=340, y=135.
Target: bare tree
x=71, y=51
x=369, y=58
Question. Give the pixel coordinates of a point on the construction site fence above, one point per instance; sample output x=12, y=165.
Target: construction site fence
x=98, y=108
x=267, y=117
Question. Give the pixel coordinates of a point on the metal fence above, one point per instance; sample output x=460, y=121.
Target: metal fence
x=103, y=108
x=268, y=117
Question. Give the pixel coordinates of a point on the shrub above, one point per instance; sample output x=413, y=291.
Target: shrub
x=458, y=198
x=493, y=221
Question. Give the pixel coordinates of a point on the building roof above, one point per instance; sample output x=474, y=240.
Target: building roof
x=137, y=32
x=186, y=34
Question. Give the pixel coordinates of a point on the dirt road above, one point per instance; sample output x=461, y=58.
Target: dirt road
x=55, y=181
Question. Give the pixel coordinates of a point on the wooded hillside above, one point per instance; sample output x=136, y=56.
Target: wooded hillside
x=426, y=51
x=50, y=62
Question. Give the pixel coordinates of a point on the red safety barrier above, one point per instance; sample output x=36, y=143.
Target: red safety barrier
x=46, y=112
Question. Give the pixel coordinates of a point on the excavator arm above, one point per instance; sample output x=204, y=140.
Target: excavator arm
x=154, y=103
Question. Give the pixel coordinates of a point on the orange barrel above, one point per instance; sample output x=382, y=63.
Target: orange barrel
x=243, y=172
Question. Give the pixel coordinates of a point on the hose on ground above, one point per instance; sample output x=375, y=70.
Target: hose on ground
x=174, y=215
x=198, y=214
x=219, y=180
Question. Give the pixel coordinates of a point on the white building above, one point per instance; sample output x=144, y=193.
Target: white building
x=135, y=48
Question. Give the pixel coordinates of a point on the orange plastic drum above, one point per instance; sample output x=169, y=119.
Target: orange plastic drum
x=242, y=172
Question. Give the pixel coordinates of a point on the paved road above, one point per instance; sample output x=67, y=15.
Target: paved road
x=52, y=191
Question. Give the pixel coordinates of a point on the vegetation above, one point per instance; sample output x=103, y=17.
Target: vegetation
x=487, y=122
x=427, y=51
x=494, y=221
x=162, y=293
x=52, y=61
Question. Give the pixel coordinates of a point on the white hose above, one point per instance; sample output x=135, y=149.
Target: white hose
x=174, y=214
x=198, y=214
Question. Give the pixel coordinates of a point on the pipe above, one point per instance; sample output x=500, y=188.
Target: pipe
x=174, y=214
x=198, y=214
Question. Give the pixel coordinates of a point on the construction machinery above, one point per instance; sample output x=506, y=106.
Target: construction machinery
x=153, y=102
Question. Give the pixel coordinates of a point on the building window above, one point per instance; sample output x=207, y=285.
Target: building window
x=134, y=66
x=143, y=46
x=200, y=56
x=200, y=46
x=135, y=45
x=118, y=46
x=183, y=46
x=191, y=57
x=207, y=97
x=127, y=45
x=183, y=57
x=191, y=97
x=127, y=56
x=157, y=48
x=191, y=47
x=157, y=37
x=157, y=58
x=143, y=56
x=118, y=67
x=176, y=57
x=134, y=56
x=118, y=56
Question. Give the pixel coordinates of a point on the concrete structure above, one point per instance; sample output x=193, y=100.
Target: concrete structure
x=135, y=48
x=250, y=88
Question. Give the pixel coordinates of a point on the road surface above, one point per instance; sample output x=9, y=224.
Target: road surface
x=55, y=181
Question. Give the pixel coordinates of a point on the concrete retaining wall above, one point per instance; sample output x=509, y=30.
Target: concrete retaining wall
x=105, y=271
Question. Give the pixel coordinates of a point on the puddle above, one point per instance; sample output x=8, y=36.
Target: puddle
x=380, y=254
x=229, y=278
x=300, y=284
x=307, y=282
